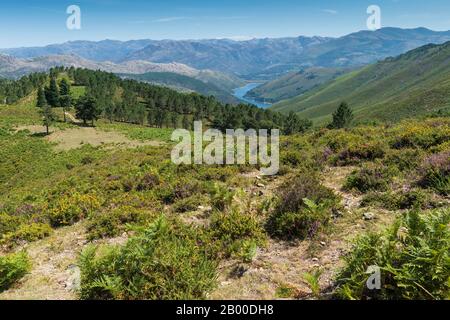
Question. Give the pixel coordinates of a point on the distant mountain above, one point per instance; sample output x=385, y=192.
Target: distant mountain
x=295, y=83
x=184, y=84
x=411, y=84
x=223, y=84
x=255, y=59
x=106, y=50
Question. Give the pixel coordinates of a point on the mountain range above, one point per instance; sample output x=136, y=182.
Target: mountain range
x=411, y=84
x=258, y=58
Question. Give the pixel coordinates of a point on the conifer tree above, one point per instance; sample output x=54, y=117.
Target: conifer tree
x=41, y=100
x=342, y=117
x=52, y=93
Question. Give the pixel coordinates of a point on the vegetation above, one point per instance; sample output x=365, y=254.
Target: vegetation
x=163, y=261
x=413, y=256
x=303, y=210
x=342, y=118
x=12, y=268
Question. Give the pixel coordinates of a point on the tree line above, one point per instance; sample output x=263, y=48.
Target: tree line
x=124, y=100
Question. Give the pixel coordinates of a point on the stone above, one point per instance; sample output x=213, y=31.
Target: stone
x=369, y=216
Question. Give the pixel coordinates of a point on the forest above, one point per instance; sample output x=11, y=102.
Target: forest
x=130, y=101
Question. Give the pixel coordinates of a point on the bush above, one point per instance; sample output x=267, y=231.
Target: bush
x=12, y=268
x=412, y=199
x=435, y=173
x=165, y=261
x=148, y=182
x=370, y=177
x=405, y=159
x=303, y=209
x=189, y=204
x=423, y=135
x=27, y=232
x=221, y=197
x=70, y=209
x=357, y=152
x=235, y=231
x=413, y=256
x=113, y=223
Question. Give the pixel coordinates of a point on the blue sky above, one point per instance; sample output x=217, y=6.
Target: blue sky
x=41, y=22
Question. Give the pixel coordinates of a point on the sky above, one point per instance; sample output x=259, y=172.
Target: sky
x=41, y=22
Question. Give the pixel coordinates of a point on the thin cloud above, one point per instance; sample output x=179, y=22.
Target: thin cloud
x=170, y=19
x=330, y=11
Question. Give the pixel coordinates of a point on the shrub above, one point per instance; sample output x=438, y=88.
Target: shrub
x=435, y=173
x=113, y=223
x=421, y=135
x=221, y=197
x=189, y=204
x=305, y=223
x=370, y=177
x=27, y=232
x=235, y=231
x=413, y=257
x=162, y=262
x=364, y=151
x=148, y=182
x=405, y=159
x=303, y=209
x=71, y=208
x=399, y=200
x=12, y=268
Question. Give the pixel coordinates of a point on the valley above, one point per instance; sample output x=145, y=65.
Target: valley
x=93, y=205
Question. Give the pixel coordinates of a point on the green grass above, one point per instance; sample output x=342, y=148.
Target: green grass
x=137, y=132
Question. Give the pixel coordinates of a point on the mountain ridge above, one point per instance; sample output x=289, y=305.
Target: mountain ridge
x=411, y=84
x=250, y=59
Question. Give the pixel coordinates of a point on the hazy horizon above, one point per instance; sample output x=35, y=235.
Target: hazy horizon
x=210, y=39
x=33, y=23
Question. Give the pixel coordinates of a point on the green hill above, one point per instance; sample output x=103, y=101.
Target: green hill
x=184, y=83
x=411, y=84
x=295, y=83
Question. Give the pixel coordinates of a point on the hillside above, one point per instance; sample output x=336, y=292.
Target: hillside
x=213, y=81
x=184, y=83
x=254, y=59
x=85, y=209
x=294, y=84
x=411, y=84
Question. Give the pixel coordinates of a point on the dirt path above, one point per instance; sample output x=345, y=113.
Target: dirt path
x=283, y=264
x=54, y=274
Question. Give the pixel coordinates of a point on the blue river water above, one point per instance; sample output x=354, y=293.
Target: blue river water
x=242, y=91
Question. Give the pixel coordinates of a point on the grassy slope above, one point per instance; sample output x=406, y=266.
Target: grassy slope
x=411, y=84
x=295, y=83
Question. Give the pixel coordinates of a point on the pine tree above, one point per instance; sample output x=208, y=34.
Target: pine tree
x=342, y=118
x=186, y=122
x=87, y=109
x=48, y=117
x=41, y=100
x=52, y=93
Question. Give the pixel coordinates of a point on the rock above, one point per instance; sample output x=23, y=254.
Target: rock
x=258, y=178
x=323, y=244
x=315, y=259
x=260, y=185
x=369, y=216
x=73, y=283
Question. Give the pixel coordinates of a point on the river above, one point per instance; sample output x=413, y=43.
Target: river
x=242, y=91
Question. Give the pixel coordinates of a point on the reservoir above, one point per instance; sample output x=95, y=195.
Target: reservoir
x=242, y=91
